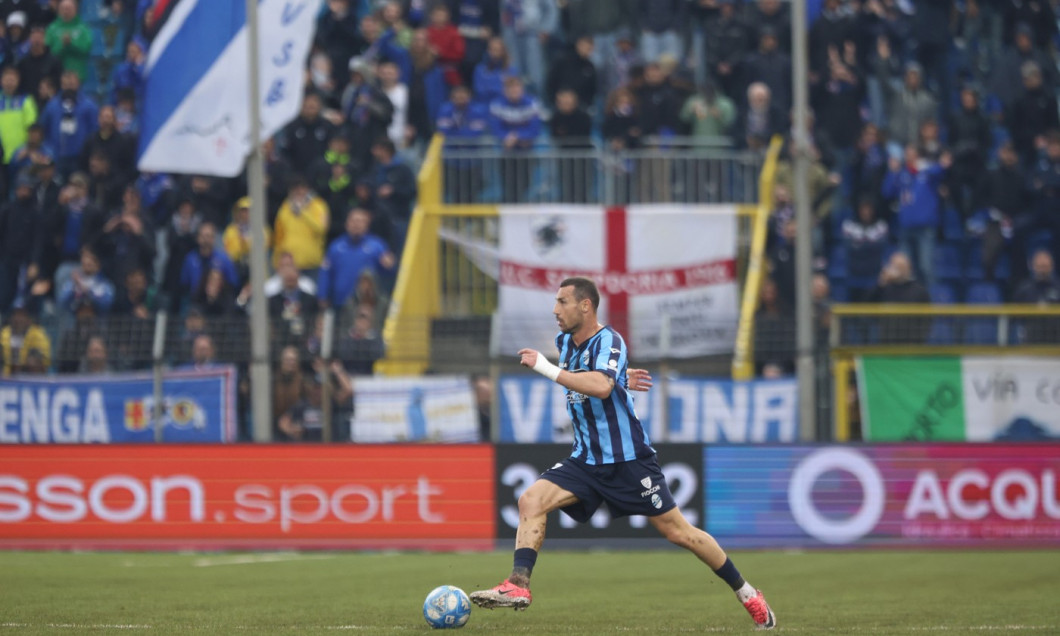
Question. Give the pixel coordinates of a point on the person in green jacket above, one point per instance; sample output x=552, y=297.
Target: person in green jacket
x=69, y=39
x=709, y=114
x=17, y=113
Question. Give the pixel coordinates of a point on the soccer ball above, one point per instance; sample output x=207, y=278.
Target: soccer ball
x=447, y=607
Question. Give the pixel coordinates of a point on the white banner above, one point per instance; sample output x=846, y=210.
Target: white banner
x=196, y=111
x=666, y=273
x=1011, y=399
x=401, y=409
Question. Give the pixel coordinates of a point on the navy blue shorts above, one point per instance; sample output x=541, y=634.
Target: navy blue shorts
x=628, y=488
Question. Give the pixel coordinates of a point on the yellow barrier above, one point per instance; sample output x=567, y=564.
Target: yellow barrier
x=743, y=367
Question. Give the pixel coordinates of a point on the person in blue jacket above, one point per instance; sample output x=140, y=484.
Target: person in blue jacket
x=197, y=263
x=488, y=82
x=515, y=121
x=464, y=123
x=68, y=120
x=348, y=256
x=915, y=185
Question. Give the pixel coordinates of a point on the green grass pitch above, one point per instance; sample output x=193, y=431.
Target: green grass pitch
x=585, y=592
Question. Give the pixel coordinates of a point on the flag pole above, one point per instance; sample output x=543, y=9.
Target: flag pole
x=260, y=395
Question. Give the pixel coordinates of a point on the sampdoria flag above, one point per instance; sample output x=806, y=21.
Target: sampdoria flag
x=196, y=113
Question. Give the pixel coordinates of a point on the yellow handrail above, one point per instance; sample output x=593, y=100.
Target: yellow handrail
x=743, y=367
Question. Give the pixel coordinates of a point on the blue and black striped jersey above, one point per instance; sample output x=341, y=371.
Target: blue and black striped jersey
x=606, y=431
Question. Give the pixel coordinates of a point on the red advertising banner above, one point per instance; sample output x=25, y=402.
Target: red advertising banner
x=253, y=496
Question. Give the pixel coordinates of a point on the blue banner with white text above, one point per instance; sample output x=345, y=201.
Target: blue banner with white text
x=697, y=410
x=198, y=406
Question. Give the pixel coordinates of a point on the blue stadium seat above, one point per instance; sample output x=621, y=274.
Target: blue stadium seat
x=948, y=262
x=943, y=294
x=943, y=330
x=973, y=263
x=1042, y=239
x=839, y=292
x=952, y=225
x=837, y=263
x=982, y=330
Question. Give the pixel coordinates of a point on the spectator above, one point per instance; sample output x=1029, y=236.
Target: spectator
x=214, y=295
x=18, y=338
x=708, y=113
x=17, y=35
x=838, y=101
x=772, y=67
x=368, y=111
x=301, y=226
x=477, y=21
x=1032, y=114
x=304, y=422
x=206, y=258
x=210, y=197
x=105, y=186
x=68, y=121
x=361, y=345
x=274, y=284
x=464, y=123
x=181, y=241
x=339, y=36
x=87, y=286
x=774, y=329
x=348, y=256
x=366, y=297
x=321, y=82
x=914, y=186
x=772, y=15
x=908, y=105
x=447, y=43
x=659, y=103
x=38, y=64
x=491, y=72
x=1045, y=186
x=866, y=238
x=427, y=87
x=70, y=39
x=1042, y=287
x=383, y=46
x=526, y=26
x=1041, y=16
x=31, y=12
x=304, y=140
x=395, y=191
x=727, y=40
x=868, y=165
x=570, y=126
x=238, y=240
x=662, y=23
x=515, y=120
x=157, y=196
x=127, y=240
x=603, y=21
x=970, y=140
x=897, y=285
x=129, y=76
x=73, y=223
x=575, y=71
x=20, y=227
x=483, y=388
x=95, y=361
x=618, y=67
x=18, y=112
x=119, y=148
x=287, y=382
x=293, y=310
x=32, y=153
x=621, y=127
x=1011, y=214
x=833, y=27
x=1006, y=81
x=756, y=125
x=398, y=94
x=135, y=299
x=203, y=354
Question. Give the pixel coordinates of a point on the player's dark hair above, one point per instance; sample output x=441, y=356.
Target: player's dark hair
x=583, y=288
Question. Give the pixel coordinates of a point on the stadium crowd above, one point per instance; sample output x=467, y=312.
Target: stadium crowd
x=936, y=151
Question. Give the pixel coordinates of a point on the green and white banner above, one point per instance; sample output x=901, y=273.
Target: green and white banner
x=972, y=398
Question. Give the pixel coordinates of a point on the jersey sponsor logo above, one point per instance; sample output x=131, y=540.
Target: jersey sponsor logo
x=651, y=491
x=573, y=397
x=656, y=501
x=585, y=359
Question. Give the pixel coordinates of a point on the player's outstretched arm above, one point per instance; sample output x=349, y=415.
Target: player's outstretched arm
x=639, y=379
x=594, y=384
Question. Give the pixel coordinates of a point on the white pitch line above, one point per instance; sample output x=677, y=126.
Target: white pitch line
x=73, y=626
x=249, y=559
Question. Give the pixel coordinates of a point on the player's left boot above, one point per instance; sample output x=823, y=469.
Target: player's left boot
x=760, y=612
x=507, y=594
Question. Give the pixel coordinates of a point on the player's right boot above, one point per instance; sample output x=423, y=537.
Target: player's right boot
x=760, y=612
x=507, y=594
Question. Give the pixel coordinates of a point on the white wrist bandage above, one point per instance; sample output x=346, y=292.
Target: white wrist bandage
x=546, y=368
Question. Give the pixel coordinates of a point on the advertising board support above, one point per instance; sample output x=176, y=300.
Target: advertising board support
x=158, y=348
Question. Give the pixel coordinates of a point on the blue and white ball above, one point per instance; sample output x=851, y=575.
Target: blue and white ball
x=447, y=607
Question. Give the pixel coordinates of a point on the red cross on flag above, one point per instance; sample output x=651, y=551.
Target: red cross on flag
x=661, y=269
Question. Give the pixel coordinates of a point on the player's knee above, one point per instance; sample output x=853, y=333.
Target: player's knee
x=529, y=505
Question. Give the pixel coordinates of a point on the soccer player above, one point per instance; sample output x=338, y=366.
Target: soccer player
x=612, y=460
